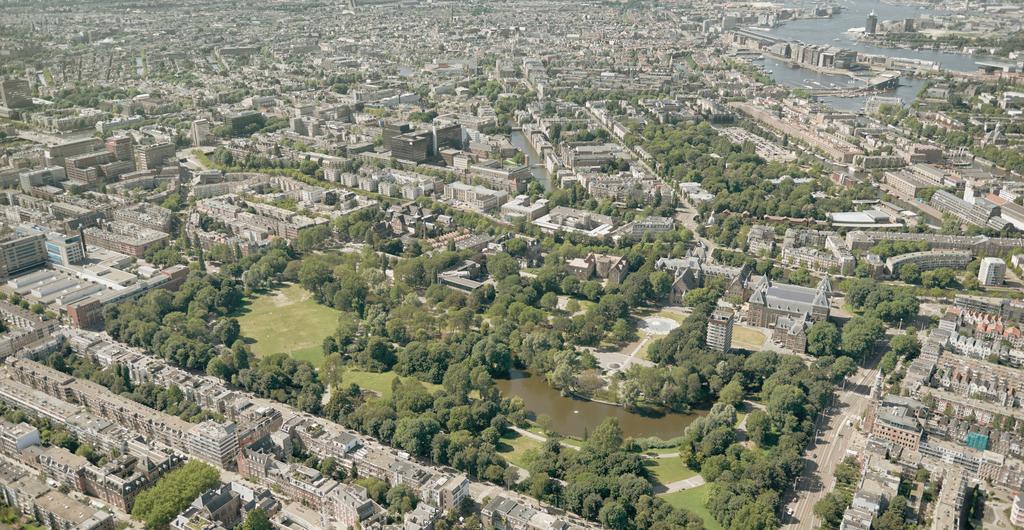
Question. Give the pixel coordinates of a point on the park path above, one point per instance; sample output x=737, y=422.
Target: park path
x=695, y=481
x=534, y=436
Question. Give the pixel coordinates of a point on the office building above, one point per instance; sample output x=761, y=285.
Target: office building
x=719, y=334
x=510, y=179
x=980, y=213
x=871, y=24
x=199, y=132
x=240, y=123
x=21, y=251
x=522, y=207
x=896, y=419
x=992, y=271
x=413, y=146
x=64, y=249
x=15, y=93
x=391, y=130
x=56, y=154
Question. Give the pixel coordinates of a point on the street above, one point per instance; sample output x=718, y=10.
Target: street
x=828, y=450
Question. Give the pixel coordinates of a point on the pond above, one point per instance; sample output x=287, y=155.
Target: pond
x=576, y=417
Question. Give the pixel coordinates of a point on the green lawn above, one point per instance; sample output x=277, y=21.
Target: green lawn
x=288, y=320
x=513, y=447
x=745, y=337
x=668, y=470
x=694, y=500
x=379, y=383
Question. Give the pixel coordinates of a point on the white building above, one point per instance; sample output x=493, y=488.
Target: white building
x=992, y=271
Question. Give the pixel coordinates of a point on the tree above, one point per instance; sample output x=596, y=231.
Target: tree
x=910, y=273
x=256, y=520
x=606, y=437
x=831, y=507
x=227, y=330
x=414, y=434
x=158, y=505
x=401, y=499
x=823, y=339
x=549, y=301
x=614, y=515
x=377, y=356
x=860, y=335
x=906, y=346
x=732, y=393
x=502, y=265
x=894, y=517
x=623, y=330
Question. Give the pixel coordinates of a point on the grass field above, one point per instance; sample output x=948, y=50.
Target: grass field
x=693, y=500
x=668, y=470
x=744, y=337
x=288, y=320
x=513, y=447
x=379, y=383
x=662, y=451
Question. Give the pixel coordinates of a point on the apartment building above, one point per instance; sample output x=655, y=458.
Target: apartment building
x=929, y=260
x=492, y=174
x=523, y=207
x=124, y=237
x=154, y=156
x=980, y=213
x=54, y=509
x=214, y=442
x=719, y=332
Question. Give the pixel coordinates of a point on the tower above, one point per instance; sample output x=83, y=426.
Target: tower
x=871, y=25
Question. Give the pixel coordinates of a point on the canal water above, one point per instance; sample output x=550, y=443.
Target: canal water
x=577, y=417
x=540, y=173
x=793, y=76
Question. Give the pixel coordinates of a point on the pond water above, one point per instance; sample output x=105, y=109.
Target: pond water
x=576, y=417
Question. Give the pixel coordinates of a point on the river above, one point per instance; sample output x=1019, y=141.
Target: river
x=576, y=417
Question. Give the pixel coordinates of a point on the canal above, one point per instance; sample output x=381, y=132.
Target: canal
x=540, y=173
x=576, y=417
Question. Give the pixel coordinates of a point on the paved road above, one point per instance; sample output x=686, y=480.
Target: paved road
x=822, y=458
